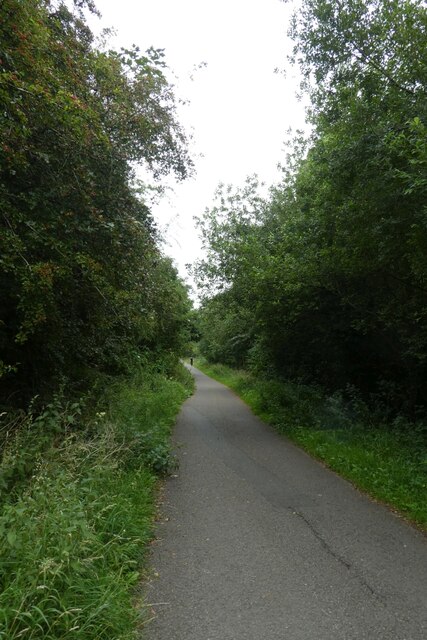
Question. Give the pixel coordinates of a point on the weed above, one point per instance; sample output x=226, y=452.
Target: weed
x=73, y=538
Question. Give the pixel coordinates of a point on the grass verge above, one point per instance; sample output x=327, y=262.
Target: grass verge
x=389, y=462
x=73, y=536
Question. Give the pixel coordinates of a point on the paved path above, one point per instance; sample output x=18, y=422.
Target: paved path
x=260, y=542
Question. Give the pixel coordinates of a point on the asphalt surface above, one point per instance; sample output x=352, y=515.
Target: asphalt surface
x=257, y=541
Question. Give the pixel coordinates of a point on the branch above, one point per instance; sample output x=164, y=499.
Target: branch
x=364, y=57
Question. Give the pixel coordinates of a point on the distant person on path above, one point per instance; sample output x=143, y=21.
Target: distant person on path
x=191, y=360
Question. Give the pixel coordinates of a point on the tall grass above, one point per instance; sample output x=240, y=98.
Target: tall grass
x=386, y=460
x=73, y=537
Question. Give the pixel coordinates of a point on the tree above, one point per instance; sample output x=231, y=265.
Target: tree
x=333, y=265
x=79, y=256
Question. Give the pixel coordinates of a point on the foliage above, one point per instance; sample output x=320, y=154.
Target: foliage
x=152, y=400
x=326, y=276
x=26, y=437
x=72, y=540
x=83, y=283
x=91, y=312
x=389, y=464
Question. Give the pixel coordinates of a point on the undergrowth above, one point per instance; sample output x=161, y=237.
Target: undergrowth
x=75, y=525
x=386, y=460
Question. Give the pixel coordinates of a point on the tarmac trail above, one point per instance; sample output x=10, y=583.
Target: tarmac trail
x=260, y=542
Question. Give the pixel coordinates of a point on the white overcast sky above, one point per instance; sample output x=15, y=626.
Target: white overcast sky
x=240, y=109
